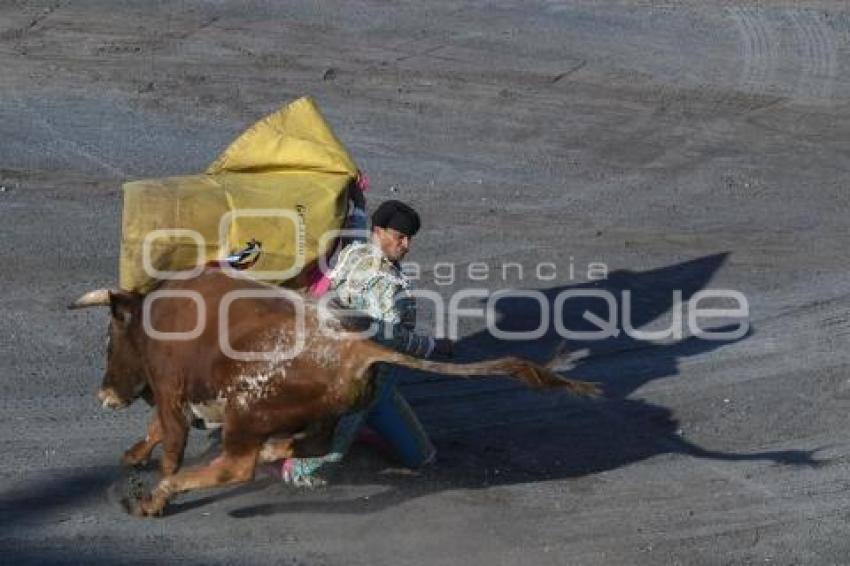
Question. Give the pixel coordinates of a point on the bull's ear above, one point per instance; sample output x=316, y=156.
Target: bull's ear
x=124, y=305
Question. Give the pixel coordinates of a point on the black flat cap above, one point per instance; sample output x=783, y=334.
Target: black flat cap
x=397, y=215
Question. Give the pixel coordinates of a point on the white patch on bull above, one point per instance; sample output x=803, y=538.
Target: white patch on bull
x=323, y=352
x=212, y=412
x=275, y=347
x=331, y=327
x=255, y=387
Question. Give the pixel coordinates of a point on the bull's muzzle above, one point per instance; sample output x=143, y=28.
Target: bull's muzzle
x=110, y=399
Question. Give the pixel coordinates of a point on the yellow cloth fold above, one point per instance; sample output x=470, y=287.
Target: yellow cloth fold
x=283, y=181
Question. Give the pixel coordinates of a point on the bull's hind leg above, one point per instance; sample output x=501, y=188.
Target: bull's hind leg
x=277, y=449
x=314, y=441
x=229, y=468
x=140, y=452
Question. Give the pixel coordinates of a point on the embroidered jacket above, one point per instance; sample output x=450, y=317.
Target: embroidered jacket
x=366, y=280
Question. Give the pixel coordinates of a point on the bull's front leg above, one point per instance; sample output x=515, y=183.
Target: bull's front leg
x=225, y=470
x=140, y=452
x=175, y=432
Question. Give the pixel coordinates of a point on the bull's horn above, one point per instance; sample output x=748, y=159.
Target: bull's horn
x=96, y=298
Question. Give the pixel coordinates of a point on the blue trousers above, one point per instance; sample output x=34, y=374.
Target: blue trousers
x=390, y=416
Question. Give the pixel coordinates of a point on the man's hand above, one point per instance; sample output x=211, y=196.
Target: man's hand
x=444, y=348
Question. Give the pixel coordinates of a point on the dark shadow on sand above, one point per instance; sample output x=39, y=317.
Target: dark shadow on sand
x=488, y=432
x=495, y=432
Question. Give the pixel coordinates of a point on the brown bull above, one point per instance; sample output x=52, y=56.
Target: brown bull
x=264, y=404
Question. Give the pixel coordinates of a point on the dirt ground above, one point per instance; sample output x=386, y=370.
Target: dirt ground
x=686, y=145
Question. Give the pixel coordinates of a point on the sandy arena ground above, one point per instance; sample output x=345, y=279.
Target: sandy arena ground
x=686, y=145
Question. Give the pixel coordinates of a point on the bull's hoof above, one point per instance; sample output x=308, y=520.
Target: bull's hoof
x=132, y=461
x=143, y=506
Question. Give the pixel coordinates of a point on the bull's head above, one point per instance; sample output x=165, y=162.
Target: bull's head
x=124, y=380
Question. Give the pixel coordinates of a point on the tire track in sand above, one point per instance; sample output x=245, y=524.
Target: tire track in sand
x=758, y=50
x=816, y=47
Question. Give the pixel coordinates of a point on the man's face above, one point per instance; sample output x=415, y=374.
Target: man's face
x=393, y=243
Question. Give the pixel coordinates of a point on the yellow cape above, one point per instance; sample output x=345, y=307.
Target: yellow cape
x=283, y=182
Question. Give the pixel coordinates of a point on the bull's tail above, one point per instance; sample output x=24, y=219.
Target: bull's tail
x=529, y=373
